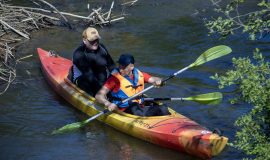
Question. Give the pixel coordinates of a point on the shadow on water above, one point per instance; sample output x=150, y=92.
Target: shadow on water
x=163, y=37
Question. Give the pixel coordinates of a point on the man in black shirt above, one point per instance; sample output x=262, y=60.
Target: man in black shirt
x=91, y=63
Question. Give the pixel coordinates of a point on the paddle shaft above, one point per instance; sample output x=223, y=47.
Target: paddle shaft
x=206, y=97
x=163, y=99
x=152, y=86
x=96, y=116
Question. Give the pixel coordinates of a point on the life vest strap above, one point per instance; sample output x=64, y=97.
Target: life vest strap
x=135, y=87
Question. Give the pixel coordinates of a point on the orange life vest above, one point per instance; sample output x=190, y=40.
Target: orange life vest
x=128, y=87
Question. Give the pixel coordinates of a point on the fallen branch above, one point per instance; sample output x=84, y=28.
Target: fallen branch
x=10, y=80
x=129, y=3
x=110, y=11
x=15, y=30
x=28, y=56
x=99, y=16
x=114, y=20
x=30, y=18
x=65, y=19
x=48, y=11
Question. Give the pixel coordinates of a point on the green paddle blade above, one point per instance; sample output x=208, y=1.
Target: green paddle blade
x=77, y=125
x=212, y=53
x=69, y=128
x=208, y=98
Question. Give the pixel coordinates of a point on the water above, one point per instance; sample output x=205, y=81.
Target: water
x=164, y=37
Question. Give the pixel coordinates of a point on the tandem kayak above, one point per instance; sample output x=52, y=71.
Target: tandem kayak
x=174, y=131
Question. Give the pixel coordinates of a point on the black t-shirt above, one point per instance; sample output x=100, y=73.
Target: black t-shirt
x=95, y=63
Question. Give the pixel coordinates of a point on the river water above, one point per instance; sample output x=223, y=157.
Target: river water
x=164, y=37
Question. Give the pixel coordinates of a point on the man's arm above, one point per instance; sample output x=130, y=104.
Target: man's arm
x=151, y=79
x=79, y=61
x=110, y=63
x=102, y=98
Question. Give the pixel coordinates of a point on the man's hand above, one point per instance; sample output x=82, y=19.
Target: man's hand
x=112, y=107
x=157, y=82
x=102, y=98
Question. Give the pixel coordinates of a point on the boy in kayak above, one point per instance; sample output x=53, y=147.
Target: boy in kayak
x=124, y=82
x=91, y=63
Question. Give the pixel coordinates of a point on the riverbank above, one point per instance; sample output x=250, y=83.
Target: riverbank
x=18, y=22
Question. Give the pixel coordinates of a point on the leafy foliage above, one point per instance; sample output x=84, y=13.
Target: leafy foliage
x=255, y=23
x=252, y=79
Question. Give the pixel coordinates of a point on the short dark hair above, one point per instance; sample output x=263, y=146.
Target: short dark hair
x=126, y=59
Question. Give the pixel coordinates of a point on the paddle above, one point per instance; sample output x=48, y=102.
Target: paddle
x=210, y=54
x=207, y=98
x=77, y=125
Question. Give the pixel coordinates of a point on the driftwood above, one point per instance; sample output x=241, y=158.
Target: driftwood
x=56, y=10
x=7, y=67
x=15, y=26
x=17, y=22
x=130, y=3
x=13, y=29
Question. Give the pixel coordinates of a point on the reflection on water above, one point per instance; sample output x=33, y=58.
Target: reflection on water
x=121, y=146
x=164, y=37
